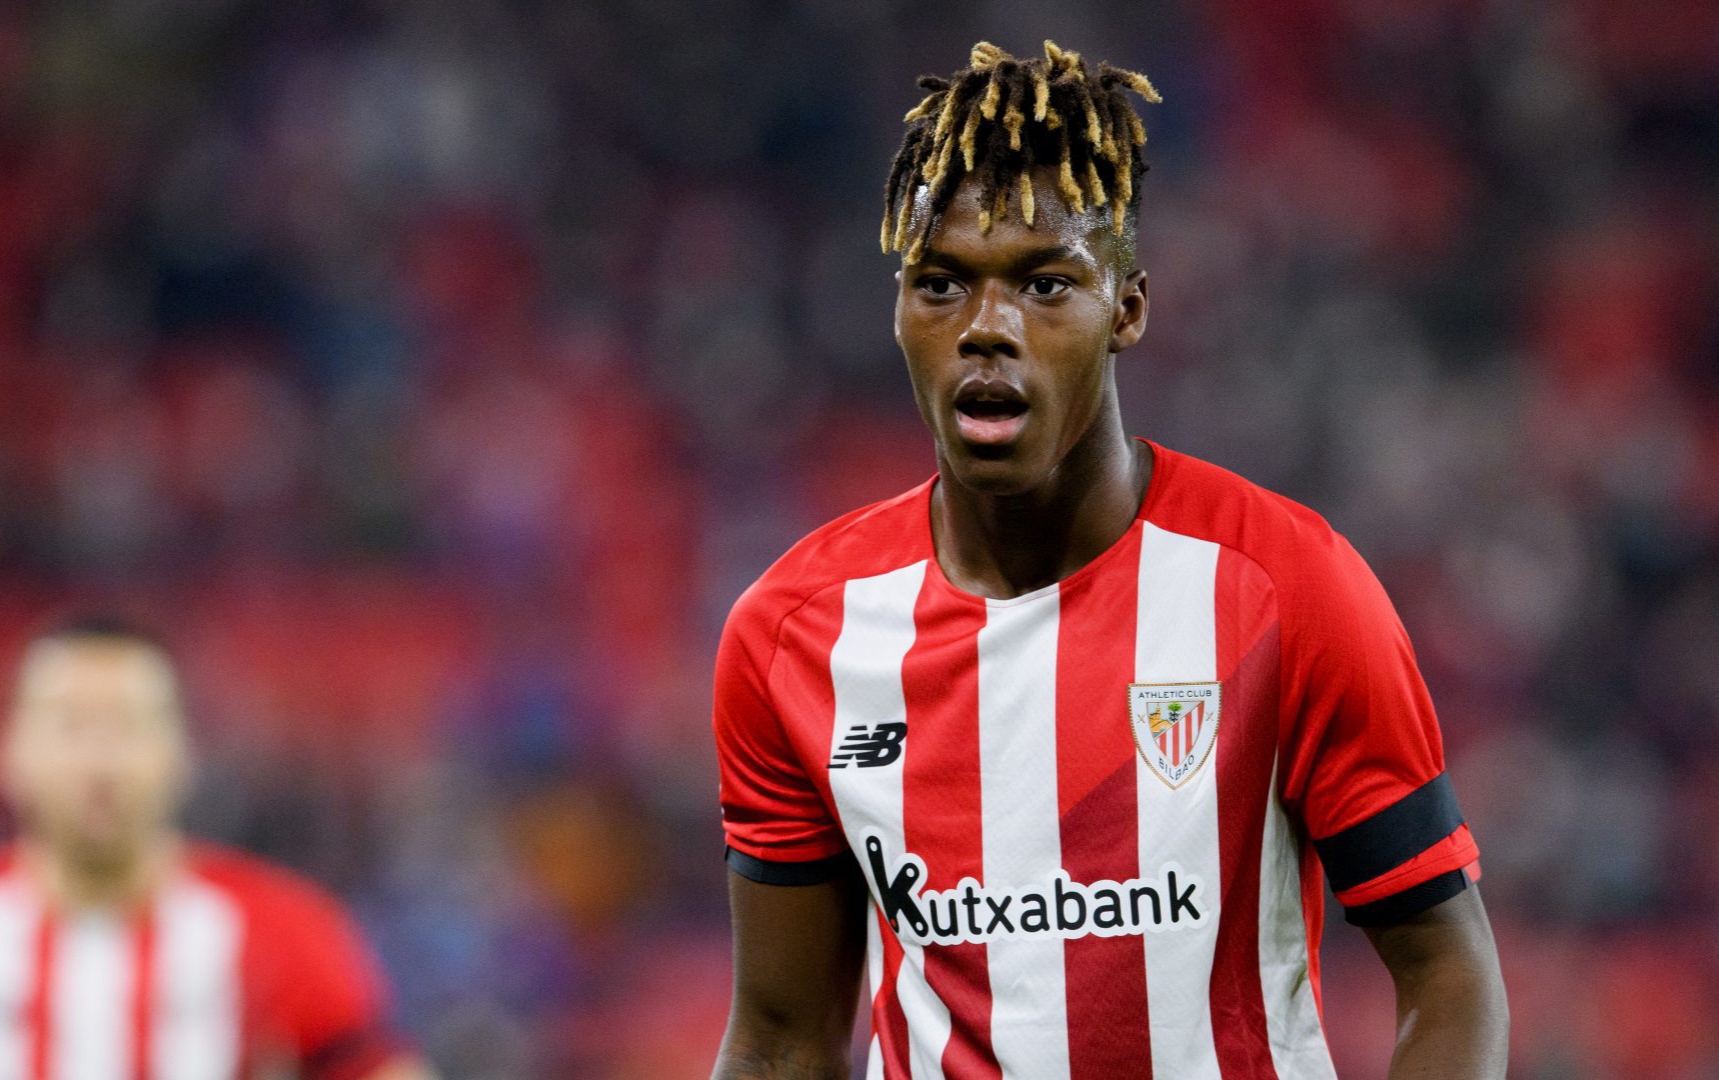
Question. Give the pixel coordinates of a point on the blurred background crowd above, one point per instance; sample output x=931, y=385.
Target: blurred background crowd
x=436, y=374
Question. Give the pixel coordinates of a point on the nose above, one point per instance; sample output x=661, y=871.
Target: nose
x=995, y=328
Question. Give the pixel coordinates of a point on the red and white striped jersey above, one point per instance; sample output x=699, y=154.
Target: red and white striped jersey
x=1092, y=817
x=236, y=969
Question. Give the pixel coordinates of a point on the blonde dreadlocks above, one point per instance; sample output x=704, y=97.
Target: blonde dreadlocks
x=1003, y=115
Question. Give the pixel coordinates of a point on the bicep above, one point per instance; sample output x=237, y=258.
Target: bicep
x=1453, y=1018
x=1454, y=935
x=798, y=953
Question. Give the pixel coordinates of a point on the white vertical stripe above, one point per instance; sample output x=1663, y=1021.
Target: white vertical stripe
x=873, y=953
x=1176, y=641
x=1298, y=1049
x=196, y=1016
x=20, y=919
x=89, y=1016
x=1022, y=828
x=865, y=670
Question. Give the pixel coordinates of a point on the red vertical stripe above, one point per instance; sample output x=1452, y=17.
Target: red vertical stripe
x=1108, y=1035
x=143, y=995
x=1246, y=747
x=38, y=1016
x=941, y=809
x=888, y=1019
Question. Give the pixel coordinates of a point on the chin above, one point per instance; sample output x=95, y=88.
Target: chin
x=103, y=851
x=993, y=471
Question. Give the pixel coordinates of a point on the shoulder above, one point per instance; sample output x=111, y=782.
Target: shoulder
x=872, y=540
x=313, y=981
x=271, y=895
x=1294, y=545
x=1207, y=501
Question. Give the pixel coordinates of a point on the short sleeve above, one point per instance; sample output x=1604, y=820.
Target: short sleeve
x=338, y=1018
x=1364, y=759
x=778, y=827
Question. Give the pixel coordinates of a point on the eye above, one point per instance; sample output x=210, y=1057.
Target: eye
x=1046, y=287
x=939, y=285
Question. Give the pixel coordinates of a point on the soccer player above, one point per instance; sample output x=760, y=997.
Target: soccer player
x=1057, y=743
x=128, y=952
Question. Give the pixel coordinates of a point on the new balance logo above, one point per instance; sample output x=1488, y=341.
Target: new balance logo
x=870, y=747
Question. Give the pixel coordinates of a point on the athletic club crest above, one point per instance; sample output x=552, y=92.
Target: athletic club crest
x=1175, y=725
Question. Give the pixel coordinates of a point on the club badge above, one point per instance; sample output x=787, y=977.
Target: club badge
x=1175, y=726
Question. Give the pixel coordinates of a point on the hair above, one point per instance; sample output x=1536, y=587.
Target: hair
x=101, y=626
x=1001, y=116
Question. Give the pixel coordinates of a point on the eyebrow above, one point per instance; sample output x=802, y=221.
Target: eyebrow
x=1025, y=261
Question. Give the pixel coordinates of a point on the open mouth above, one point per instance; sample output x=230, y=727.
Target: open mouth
x=990, y=412
x=987, y=410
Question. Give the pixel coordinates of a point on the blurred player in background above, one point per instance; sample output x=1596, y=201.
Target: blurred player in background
x=129, y=952
x=1083, y=715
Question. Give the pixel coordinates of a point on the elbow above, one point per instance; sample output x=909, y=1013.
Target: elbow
x=766, y=1042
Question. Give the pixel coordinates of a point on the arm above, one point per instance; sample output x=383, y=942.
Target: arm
x=798, y=951
x=334, y=1008
x=1452, y=1017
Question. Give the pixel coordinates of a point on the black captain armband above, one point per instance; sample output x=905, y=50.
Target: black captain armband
x=1395, y=835
x=1411, y=901
x=812, y=872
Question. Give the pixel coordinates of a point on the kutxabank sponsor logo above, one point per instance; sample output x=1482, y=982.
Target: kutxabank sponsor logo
x=1057, y=908
x=1175, y=726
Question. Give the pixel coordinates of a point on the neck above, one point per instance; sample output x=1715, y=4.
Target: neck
x=1002, y=546
x=69, y=880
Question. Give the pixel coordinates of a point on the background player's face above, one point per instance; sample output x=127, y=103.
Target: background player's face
x=96, y=756
x=1009, y=336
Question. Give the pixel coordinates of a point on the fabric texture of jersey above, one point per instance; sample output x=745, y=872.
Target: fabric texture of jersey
x=235, y=970
x=1092, y=818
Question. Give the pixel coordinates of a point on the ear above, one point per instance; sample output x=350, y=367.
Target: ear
x=898, y=301
x=1129, y=321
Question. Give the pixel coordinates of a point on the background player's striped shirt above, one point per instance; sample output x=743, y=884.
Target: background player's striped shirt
x=235, y=970
x=1091, y=817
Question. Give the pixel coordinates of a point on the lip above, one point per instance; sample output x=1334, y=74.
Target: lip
x=990, y=411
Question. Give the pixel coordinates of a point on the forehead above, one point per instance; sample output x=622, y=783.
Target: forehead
x=1087, y=236
x=96, y=670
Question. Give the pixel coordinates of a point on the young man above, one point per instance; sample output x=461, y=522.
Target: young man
x=1082, y=716
x=130, y=953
